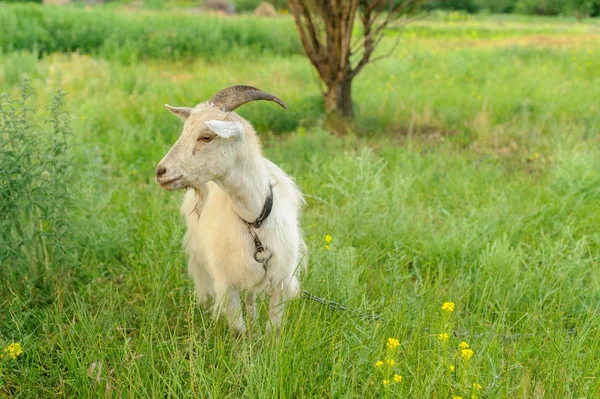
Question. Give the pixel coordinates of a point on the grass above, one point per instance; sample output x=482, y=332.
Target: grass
x=473, y=177
x=129, y=35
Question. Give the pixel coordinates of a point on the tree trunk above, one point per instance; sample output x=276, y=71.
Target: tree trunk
x=338, y=99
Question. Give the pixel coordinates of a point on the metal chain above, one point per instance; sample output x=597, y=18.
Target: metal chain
x=376, y=317
x=261, y=253
x=337, y=306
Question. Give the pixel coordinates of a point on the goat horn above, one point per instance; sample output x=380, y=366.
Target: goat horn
x=232, y=97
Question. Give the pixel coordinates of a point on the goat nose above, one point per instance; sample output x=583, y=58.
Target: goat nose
x=161, y=171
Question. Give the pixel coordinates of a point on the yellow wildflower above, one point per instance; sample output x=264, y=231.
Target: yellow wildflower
x=390, y=362
x=328, y=238
x=448, y=307
x=386, y=382
x=476, y=386
x=463, y=345
x=457, y=397
x=14, y=350
x=466, y=353
x=328, y=247
x=451, y=368
x=397, y=378
x=534, y=157
x=392, y=343
x=443, y=337
x=378, y=363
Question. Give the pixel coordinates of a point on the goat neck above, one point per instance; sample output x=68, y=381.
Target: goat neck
x=247, y=184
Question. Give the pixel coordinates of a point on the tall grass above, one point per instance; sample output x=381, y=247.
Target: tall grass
x=132, y=35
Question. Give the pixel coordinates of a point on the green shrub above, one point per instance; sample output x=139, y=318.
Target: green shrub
x=246, y=5
x=495, y=6
x=466, y=5
x=34, y=196
x=147, y=35
x=279, y=4
x=532, y=7
x=541, y=7
x=22, y=1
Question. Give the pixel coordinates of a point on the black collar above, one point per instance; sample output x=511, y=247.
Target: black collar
x=266, y=211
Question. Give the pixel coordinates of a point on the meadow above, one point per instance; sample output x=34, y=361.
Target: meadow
x=472, y=176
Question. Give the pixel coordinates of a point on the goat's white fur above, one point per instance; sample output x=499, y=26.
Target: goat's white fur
x=229, y=180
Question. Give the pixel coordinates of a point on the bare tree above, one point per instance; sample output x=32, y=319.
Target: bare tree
x=325, y=28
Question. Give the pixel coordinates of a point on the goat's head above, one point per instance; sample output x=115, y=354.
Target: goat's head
x=213, y=135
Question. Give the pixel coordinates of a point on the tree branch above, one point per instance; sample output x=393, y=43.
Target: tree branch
x=311, y=52
x=311, y=28
x=372, y=37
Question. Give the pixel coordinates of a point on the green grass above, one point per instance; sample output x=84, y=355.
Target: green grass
x=129, y=35
x=473, y=177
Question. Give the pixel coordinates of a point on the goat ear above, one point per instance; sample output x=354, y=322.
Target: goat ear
x=181, y=112
x=225, y=129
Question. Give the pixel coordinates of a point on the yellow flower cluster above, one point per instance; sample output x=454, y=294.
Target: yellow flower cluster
x=448, y=307
x=14, y=350
x=386, y=366
x=388, y=363
x=465, y=352
x=392, y=343
x=328, y=240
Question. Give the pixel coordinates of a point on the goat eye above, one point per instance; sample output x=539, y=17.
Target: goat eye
x=206, y=139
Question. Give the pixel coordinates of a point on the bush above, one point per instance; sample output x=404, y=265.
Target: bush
x=532, y=7
x=144, y=35
x=22, y=1
x=34, y=197
x=466, y=5
x=496, y=6
x=541, y=7
x=590, y=8
x=246, y=5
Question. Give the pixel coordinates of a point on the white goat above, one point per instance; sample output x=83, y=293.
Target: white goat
x=218, y=155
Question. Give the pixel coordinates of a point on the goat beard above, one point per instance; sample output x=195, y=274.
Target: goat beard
x=200, y=199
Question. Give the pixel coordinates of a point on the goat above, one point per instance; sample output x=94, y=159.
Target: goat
x=233, y=243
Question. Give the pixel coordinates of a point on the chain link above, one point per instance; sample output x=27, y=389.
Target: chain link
x=337, y=306
x=376, y=317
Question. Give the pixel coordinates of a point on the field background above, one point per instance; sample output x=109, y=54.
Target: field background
x=472, y=176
